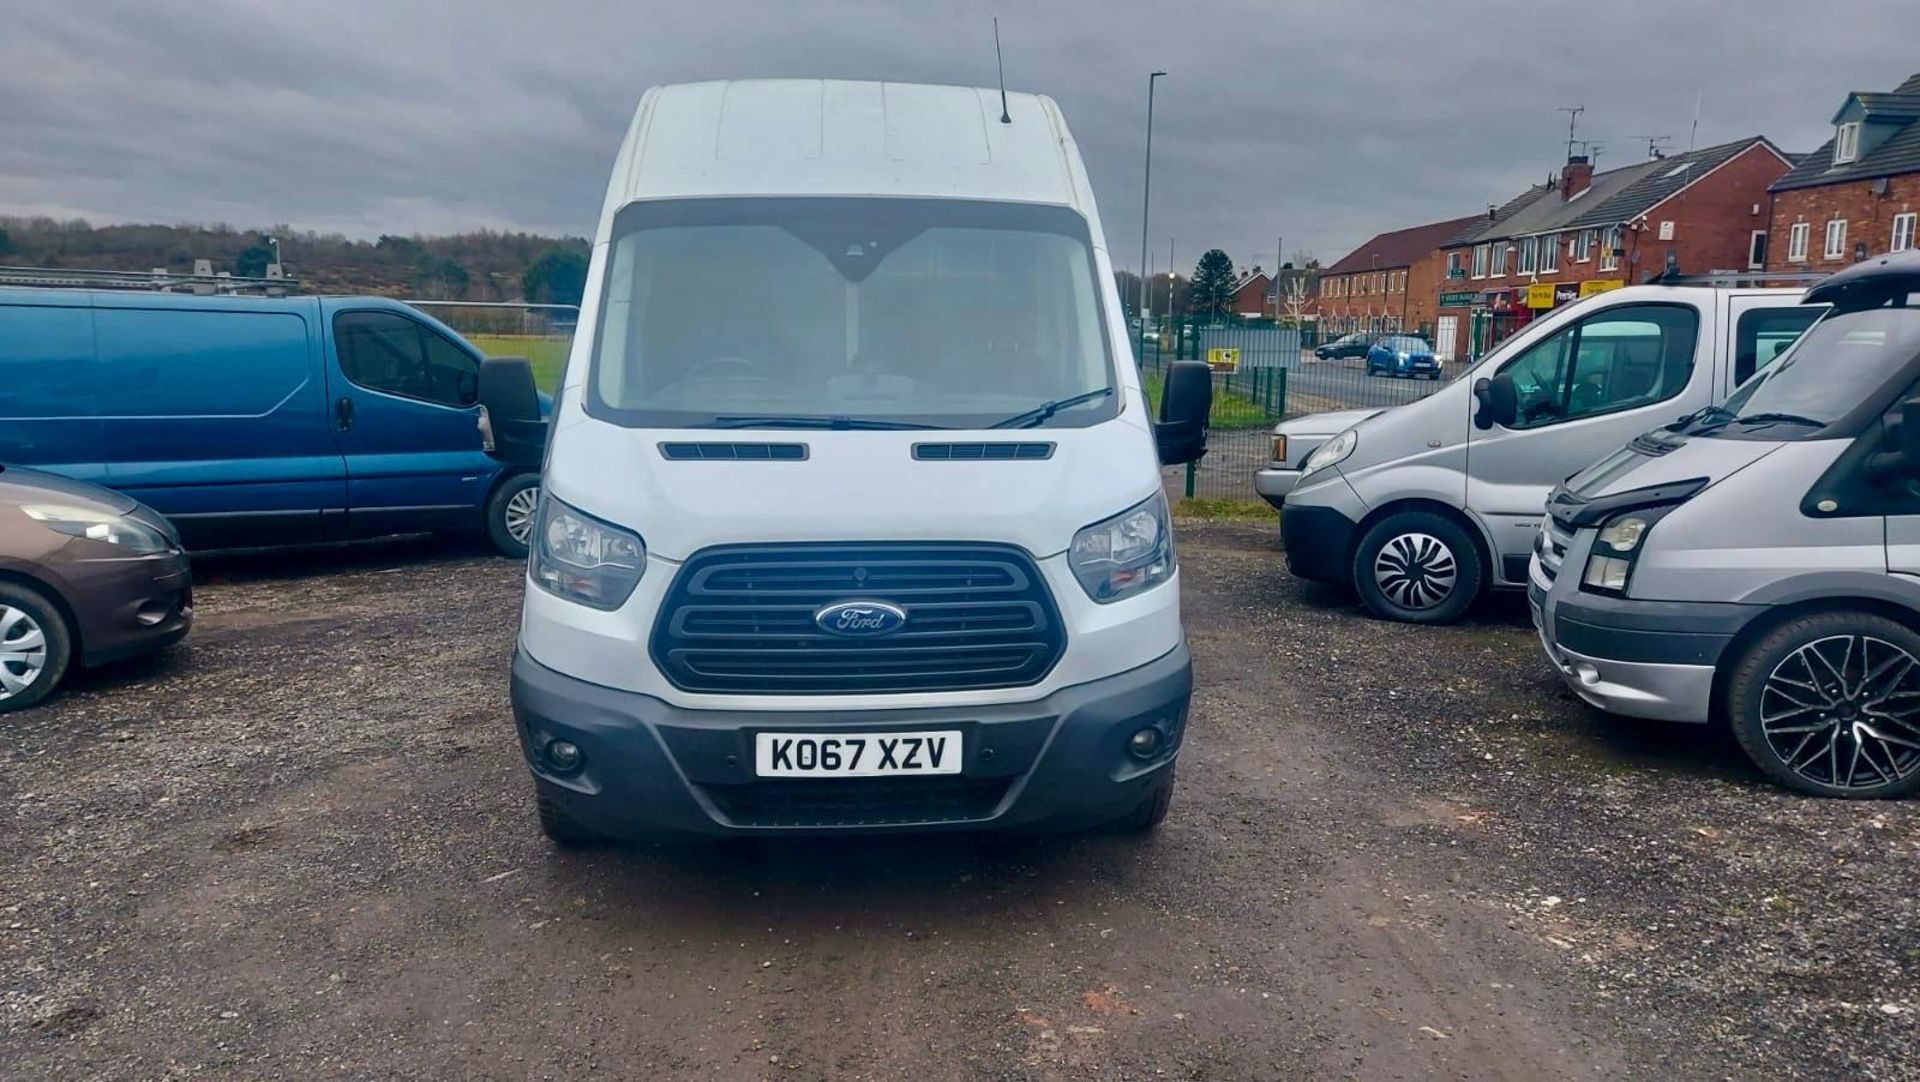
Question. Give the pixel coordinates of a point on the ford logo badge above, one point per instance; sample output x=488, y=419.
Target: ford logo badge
x=861, y=618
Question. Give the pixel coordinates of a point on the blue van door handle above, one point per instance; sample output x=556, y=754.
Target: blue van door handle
x=343, y=414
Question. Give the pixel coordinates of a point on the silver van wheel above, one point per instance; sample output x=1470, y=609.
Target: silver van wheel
x=1415, y=570
x=519, y=512
x=23, y=651
x=1844, y=711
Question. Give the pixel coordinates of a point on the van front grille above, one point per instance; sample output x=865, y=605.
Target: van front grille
x=1551, y=547
x=739, y=619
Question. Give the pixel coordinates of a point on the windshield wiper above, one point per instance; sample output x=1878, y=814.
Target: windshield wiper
x=1778, y=419
x=1039, y=413
x=1704, y=416
x=836, y=424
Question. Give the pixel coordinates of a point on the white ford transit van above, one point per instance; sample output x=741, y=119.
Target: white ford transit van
x=853, y=517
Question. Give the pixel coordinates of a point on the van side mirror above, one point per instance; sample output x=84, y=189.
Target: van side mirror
x=1185, y=400
x=1499, y=401
x=511, y=428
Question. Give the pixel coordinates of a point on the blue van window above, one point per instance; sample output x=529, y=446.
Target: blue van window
x=172, y=362
x=46, y=362
x=385, y=351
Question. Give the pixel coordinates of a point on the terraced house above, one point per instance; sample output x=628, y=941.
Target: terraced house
x=1584, y=232
x=1387, y=284
x=1859, y=194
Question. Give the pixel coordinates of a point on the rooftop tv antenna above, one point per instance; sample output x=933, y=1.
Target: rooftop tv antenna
x=1654, y=143
x=1005, y=117
x=1573, y=117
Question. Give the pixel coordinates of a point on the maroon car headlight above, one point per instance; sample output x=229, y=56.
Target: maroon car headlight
x=138, y=538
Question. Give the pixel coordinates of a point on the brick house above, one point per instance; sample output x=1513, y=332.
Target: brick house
x=1584, y=232
x=1253, y=295
x=1373, y=288
x=1859, y=194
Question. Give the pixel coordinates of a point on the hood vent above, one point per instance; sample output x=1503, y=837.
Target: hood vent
x=734, y=452
x=981, y=452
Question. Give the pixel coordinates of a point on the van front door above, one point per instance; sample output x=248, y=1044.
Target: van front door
x=1585, y=390
x=405, y=412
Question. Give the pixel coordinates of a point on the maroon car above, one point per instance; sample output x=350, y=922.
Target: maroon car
x=87, y=576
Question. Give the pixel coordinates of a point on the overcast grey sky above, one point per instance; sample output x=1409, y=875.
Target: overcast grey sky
x=1322, y=122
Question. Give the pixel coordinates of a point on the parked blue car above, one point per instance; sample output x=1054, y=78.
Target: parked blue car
x=1403, y=355
x=258, y=420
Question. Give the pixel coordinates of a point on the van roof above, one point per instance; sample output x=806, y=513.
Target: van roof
x=774, y=137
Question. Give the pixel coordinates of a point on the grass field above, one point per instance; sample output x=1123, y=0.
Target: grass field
x=547, y=355
x=1229, y=410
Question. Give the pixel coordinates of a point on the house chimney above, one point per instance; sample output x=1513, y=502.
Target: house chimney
x=1575, y=177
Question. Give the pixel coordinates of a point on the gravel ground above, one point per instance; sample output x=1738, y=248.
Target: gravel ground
x=302, y=845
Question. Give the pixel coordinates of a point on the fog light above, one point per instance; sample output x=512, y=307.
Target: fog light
x=1144, y=744
x=563, y=756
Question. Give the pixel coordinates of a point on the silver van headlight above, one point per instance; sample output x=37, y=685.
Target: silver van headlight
x=1123, y=555
x=583, y=559
x=1617, y=547
x=1333, y=451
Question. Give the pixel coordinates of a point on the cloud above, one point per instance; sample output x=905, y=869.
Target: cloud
x=1320, y=123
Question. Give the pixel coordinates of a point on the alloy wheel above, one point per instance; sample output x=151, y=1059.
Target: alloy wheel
x=23, y=651
x=519, y=512
x=1415, y=570
x=1844, y=711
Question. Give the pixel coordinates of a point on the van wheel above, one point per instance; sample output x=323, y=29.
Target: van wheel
x=35, y=646
x=511, y=512
x=1152, y=811
x=1417, y=567
x=1829, y=704
x=560, y=828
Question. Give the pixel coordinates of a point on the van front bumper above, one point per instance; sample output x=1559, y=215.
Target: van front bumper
x=648, y=767
x=1274, y=482
x=1643, y=659
x=1319, y=541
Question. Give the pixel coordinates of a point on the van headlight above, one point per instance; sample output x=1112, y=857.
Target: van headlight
x=1617, y=547
x=128, y=533
x=583, y=559
x=1123, y=555
x=1333, y=451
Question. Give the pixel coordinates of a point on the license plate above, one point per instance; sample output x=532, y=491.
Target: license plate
x=855, y=755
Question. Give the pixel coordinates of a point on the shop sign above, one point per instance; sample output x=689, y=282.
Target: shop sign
x=1462, y=299
x=1540, y=295
x=1600, y=285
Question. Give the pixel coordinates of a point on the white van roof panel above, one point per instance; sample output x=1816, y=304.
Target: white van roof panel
x=831, y=137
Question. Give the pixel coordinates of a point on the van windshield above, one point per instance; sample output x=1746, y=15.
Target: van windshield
x=1840, y=364
x=858, y=313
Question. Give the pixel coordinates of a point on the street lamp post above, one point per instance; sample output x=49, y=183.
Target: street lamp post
x=275, y=242
x=1146, y=197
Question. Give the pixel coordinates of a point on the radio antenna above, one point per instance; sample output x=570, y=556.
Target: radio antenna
x=1001, y=63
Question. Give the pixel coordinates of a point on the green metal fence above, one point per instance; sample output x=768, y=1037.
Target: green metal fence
x=1273, y=376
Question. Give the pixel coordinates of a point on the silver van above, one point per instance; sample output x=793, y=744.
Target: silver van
x=1761, y=563
x=1422, y=507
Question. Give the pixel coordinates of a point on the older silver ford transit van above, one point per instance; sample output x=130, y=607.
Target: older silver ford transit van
x=1761, y=564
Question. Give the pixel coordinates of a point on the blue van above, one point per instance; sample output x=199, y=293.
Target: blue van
x=258, y=420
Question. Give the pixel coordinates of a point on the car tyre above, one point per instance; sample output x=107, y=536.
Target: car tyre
x=1417, y=567
x=511, y=514
x=1783, y=710
x=36, y=646
x=1152, y=811
x=560, y=828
